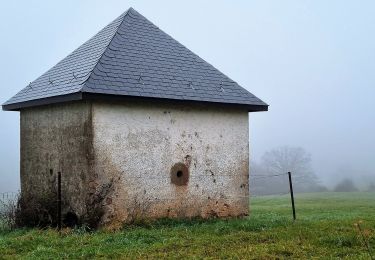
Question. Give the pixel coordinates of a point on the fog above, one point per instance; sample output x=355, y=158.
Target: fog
x=313, y=62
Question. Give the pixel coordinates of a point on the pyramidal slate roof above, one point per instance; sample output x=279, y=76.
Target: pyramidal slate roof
x=131, y=57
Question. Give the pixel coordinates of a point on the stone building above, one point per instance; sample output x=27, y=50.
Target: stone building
x=139, y=127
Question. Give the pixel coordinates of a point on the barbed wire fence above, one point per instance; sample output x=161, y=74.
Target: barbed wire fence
x=283, y=183
x=9, y=199
x=8, y=195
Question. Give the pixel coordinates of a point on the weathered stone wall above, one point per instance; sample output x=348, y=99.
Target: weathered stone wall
x=57, y=138
x=138, y=160
x=137, y=144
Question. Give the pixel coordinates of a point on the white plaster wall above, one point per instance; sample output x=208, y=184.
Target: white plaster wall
x=136, y=144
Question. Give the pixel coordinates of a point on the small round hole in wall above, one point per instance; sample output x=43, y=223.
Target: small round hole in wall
x=179, y=174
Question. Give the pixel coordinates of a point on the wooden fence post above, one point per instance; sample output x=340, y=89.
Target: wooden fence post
x=292, y=195
x=59, y=201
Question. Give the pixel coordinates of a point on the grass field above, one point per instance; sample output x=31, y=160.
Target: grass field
x=325, y=228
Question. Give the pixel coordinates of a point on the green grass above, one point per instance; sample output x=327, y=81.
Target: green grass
x=324, y=229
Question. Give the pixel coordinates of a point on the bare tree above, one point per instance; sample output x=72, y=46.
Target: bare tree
x=285, y=159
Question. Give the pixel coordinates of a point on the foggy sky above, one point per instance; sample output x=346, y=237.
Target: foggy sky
x=313, y=62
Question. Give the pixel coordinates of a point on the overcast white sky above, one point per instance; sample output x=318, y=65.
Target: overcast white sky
x=312, y=61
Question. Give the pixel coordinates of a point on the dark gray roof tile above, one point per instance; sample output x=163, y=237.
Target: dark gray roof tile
x=133, y=57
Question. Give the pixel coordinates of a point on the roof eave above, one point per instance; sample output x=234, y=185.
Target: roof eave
x=108, y=97
x=42, y=101
x=257, y=108
x=113, y=97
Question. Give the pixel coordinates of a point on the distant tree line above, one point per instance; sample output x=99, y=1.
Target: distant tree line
x=269, y=175
x=348, y=185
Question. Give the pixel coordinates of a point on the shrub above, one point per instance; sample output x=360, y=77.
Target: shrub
x=36, y=211
x=371, y=187
x=29, y=211
x=8, y=209
x=346, y=185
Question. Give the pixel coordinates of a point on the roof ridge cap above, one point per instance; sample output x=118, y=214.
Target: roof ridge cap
x=109, y=43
